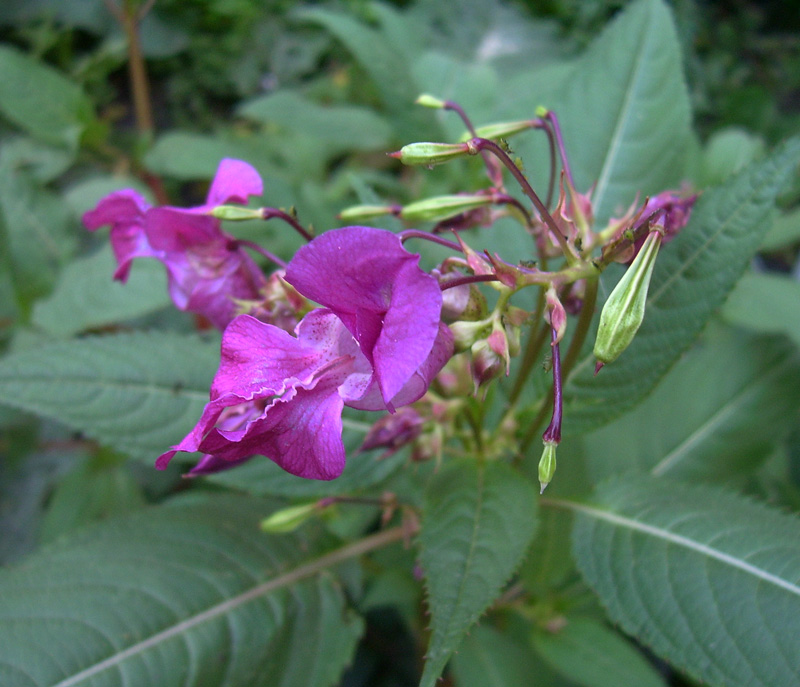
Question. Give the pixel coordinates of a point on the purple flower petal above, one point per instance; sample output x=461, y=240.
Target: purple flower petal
x=125, y=211
x=376, y=287
x=234, y=182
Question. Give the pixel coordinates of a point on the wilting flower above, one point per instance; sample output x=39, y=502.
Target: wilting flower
x=206, y=267
x=376, y=347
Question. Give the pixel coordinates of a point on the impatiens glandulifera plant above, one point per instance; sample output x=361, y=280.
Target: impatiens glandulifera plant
x=380, y=394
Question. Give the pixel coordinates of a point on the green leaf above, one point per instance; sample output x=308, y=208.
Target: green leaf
x=264, y=478
x=86, y=297
x=93, y=490
x=625, y=110
x=378, y=56
x=707, y=579
x=488, y=658
x=41, y=101
x=692, y=277
x=767, y=303
x=593, y=655
x=785, y=230
x=37, y=228
x=728, y=151
x=477, y=524
x=343, y=128
x=714, y=417
x=185, y=594
x=138, y=393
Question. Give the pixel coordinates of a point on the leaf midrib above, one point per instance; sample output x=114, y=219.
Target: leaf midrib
x=675, y=539
x=714, y=421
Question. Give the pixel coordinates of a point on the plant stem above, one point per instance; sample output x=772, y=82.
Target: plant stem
x=417, y=234
x=262, y=251
x=270, y=213
x=493, y=170
x=551, y=116
x=485, y=144
x=582, y=326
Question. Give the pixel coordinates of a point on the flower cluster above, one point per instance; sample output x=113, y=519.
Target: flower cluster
x=207, y=269
x=379, y=338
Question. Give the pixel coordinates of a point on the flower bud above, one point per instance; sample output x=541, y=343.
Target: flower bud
x=431, y=153
x=500, y=130
x=556, y=314
x=466, y=334
x=359, y=213
x=624, y=310
x=487, y=363
x=464, y=302
x=443, y=207
x=547, y=465
x=289, y=519
x=427, y=100
x=235, y=212
x=392, y=432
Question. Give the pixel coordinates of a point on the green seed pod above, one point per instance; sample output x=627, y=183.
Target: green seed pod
x=624, y=310
x=359, y=213
x=500, y=129
x=547, y=465
x=440, y=208
x=289, y=519
x=235, y=212
x=431, y=153
x=431, y=101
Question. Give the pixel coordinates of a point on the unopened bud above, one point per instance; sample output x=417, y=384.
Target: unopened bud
x=486, y=363
x=235, y=212
x=466, y=334
x=431, y=153
x=547, y=465
x=358, y=213
x=500, y=130
x=624, y=310
x=431, y=101
x=556, y=314
x=443, y=207
x=464, y=302
x=289, y=519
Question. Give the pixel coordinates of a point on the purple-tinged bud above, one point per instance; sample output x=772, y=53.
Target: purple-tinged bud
x=556, y=314
x=547, y=464
x=487, y=363
x=432, y=153
x=394, y=431
x=361, y=213
x=443, y=207
x=623, y=312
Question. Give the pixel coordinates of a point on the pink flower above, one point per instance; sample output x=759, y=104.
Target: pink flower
x=206, y=267
x=377, y=346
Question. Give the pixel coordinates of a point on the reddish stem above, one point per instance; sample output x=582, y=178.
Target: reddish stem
x=270, y=213
x=553, y=431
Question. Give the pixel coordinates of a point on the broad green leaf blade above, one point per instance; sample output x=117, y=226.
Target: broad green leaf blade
x=714, y=417
x=625, y=110
x=262, y=477
x=188, y=594
x=86, y=297
x=766, y=303
x=593, y=655
x=707, y=579
x=477, y=524
x=375, y=52
x=41, y=101
x=138, y=393
x=36, y=228
x=692, y=277
x=489, y=658
x=342, y=128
